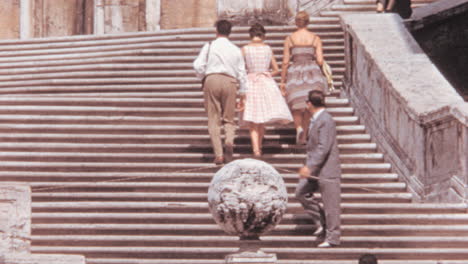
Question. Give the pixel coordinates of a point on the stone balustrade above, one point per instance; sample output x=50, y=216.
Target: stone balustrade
x=418, y=119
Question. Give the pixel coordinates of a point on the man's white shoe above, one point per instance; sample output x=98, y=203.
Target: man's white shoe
x=325, y=245
x=318, y=231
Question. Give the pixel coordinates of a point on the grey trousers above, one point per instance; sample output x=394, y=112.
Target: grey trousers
x=330, y=191
x=220, y=93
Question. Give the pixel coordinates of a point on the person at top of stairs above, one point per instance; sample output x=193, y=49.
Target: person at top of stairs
x=304, y=74
x=323, y=165
x=264, y=101
x=402, y=7
x=221, y=65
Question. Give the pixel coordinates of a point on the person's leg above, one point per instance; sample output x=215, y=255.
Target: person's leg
x=228, y=105
x=305, y=126
x=297, y=117
x=331, y=199
x=304, y=194
x=254, y=138
x=213, y=110
x=261, y=135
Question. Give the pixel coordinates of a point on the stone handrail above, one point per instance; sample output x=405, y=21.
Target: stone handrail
x=413, y=113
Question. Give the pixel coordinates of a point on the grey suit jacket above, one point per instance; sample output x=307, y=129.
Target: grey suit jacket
x=323, y=158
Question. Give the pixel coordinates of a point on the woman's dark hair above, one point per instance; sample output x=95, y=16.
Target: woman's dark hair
x=223, y=27
x=257, y=30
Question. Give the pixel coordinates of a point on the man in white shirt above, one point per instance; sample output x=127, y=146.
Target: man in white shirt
x=221, y=66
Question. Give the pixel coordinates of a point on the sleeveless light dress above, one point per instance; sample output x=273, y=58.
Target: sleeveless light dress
x=264, y=102
x=304, y=75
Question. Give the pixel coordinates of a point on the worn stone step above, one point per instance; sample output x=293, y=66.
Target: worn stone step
x=134, y=50
x=175, y=148
x=376, y=196
x=214, y=230
x=127, y=102
x=169, y=46
x=81, y=156
x=165, y=187
x=281, y=252
x=118, y=129
x=241, y=138
x=233, y=241
x=290, y=261
x=197, y=207
x=129, y=120
x=97, y=166
x=322, y=28
x=35, y=176
x=207, y=218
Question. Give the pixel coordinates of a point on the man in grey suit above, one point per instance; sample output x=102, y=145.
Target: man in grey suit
x=322, y=171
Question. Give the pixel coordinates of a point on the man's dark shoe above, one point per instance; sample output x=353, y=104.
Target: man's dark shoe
x=228, y=152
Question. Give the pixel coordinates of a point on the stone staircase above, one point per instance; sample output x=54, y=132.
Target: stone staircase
x=111, y=134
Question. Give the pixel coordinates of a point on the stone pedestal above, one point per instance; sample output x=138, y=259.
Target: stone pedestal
x=250, y=252
x=248, y=198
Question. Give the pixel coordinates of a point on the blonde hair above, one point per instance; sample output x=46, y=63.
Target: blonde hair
x=302, y=19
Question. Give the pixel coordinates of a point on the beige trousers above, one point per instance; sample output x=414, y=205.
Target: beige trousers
x=220, y=104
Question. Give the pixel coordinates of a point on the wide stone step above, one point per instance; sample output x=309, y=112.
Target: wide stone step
x=120, y=73
x=323, y=27
x=127, y=102
x=133, y=36
x=80, y=156
x=169, y=46
x=164, y=187
x=207, y=218
x=102, y=150
x=35, y=176
x=232, y=241
x=290, y=261
x=281, y=252
x=160, y=138
x=214, y=230
x=150, y=129
x=197, y=207
x=129, y=120
x=137, y=49
x=376, y=196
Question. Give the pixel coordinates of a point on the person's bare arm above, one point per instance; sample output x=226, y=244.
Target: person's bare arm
x=318, y=50
x=390, y=5
x=285, y=64
x=274, y=66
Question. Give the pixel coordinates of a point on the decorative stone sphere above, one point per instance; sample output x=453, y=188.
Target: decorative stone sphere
x=247, y=198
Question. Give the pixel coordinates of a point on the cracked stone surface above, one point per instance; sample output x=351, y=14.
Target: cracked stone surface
x=247, y=198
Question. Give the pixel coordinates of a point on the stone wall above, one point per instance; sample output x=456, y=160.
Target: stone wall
x=61, y=17
x=442, y=31
x=10, y=23
x=188, y=13
x=417, y=118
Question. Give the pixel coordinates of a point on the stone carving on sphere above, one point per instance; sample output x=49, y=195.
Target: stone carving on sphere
x=247, y=198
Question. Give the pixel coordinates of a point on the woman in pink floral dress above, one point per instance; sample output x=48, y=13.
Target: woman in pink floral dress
x=264, y=103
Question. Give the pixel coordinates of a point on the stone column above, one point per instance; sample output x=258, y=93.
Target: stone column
x=98, y=17
x=25, y=19
x=153, y=15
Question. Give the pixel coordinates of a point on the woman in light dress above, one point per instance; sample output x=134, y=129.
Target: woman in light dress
x=264, y=103
x=303, y=74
